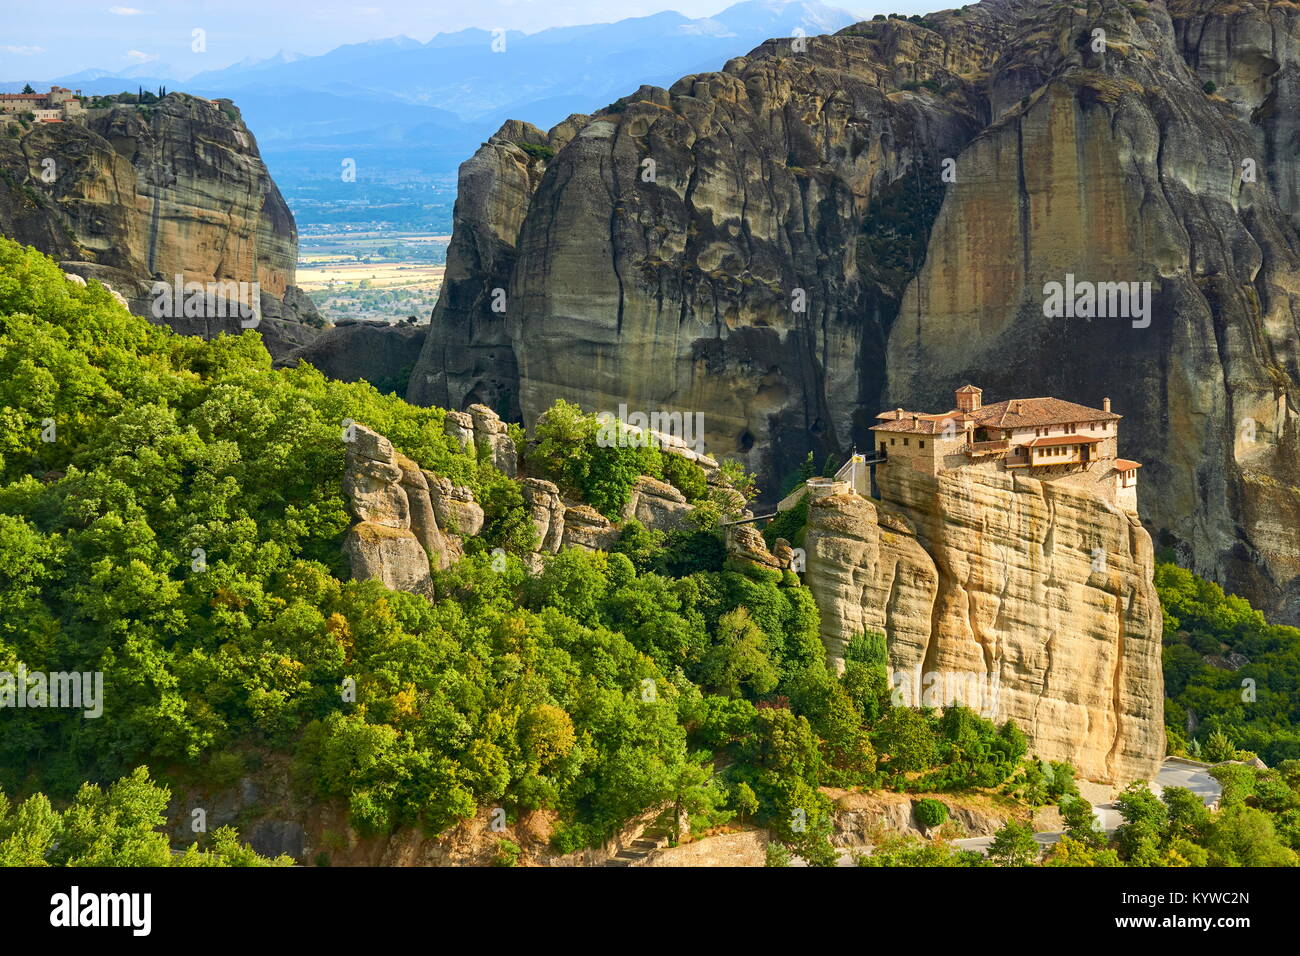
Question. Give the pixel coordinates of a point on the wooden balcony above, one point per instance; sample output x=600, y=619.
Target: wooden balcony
x=1043, y=462
x=987, y=447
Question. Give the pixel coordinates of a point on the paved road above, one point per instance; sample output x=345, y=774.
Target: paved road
x=1174, y=772
x=1177, y=772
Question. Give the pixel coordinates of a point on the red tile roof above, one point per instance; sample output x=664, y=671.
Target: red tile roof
x=1061, y=440
x=918, y=424
x=1012, y=413
x=1123, y=464
x=1031, y=412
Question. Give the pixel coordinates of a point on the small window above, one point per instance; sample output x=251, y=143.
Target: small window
x=905, y=441
x=891, y=441
x=921, y=443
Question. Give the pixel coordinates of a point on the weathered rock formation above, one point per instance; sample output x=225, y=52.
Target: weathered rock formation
x=1029, y=600
x=745, y=543
x=492, y=440
x=396, y=538
x=787, y=557
x=587, y=528
x=454, y=505
x=777, y=245
x=482, y=429
x=377, y=352
x=547, y=508
x=133, y=195
x=862, y=819
x=657, y=505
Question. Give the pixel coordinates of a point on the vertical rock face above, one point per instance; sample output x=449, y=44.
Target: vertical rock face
x=815, y=180
x=1036, y=595
x=468, y=357
x=1120, y=168
x=143, y=194
x=1251, y=52
x=547, y=508
x=424, y=521
x=397, y=531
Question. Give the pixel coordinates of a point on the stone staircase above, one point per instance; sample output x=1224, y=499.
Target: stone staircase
x=655, y=836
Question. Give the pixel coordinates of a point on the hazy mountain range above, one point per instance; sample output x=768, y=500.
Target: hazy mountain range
x=406, y=110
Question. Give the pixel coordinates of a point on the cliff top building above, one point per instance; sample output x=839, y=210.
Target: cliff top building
x=59, y=103
x=1045, y=438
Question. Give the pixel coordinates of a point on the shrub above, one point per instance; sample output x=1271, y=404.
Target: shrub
x=776, y=854
x=930, y=813
x=788, y=524
x=507, y=853
x=537, y=152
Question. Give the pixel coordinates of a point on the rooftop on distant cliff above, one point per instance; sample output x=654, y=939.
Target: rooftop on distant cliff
x=1051, y=438
x=59, y=100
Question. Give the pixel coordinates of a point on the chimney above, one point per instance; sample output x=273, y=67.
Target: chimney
x=1105, y=404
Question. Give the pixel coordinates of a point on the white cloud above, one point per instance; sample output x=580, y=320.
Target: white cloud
x=125, y=11
x=141, y=57
x=23, y=50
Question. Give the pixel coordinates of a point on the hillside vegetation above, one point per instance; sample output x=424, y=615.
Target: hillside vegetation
x=171, y=515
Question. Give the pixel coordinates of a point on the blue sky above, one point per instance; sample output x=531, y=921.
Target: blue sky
x=56, y=37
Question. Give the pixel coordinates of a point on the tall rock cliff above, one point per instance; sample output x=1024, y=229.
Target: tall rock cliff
x=1020, y=598
x=130, y=195
x=829, y=227
x=1120, y=167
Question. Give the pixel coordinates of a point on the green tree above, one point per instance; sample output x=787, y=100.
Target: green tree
x=1014, y=845
x=1245, y=836
x=737, y=664
x=1145, y=821
x=117, y=826
x=906, y=738
x=1080, y=821
x=744, y=801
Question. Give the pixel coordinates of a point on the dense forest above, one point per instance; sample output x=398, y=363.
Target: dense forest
x=171, y=514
